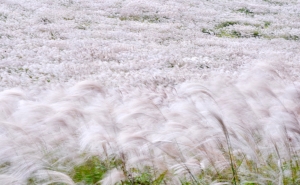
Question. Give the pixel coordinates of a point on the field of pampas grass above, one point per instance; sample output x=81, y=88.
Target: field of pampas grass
x=162, y=92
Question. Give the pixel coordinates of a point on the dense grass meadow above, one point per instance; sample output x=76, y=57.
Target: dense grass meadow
x=160, y=92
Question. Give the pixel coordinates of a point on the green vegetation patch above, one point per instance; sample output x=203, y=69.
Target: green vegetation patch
x=144, y=177
x=240, y=170
x=93, y=170
x=246, y=11
x=256, y=34
x=222, y=30
x=229, y=34
x=226, y=24
x=267, y=24
x=144, y=18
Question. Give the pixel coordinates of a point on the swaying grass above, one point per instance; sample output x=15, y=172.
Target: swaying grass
x=93, y=170
x=141, y=92
x=239, y=134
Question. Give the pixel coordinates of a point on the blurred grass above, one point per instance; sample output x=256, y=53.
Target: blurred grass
x=249, y=172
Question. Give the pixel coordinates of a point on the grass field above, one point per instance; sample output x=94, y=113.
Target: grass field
x=135, y=92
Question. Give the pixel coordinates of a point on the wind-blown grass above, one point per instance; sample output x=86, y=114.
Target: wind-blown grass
x=149, y=92
x=241, y=131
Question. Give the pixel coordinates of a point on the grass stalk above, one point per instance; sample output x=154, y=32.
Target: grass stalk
x=229, y=147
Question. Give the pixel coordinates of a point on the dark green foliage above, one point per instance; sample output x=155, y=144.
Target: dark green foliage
x=160, y=178
x=229, y=34
x=236, y=34
x=208, y=31
x=267, y=24
x=90, y=172
x=226, y=24
x=245, y=11
x=93, y=170
x=144, y=178
x=256, y=34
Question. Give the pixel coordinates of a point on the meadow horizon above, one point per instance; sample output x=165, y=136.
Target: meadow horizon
x=149, y=92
